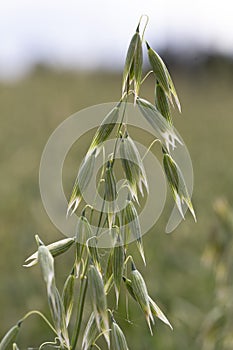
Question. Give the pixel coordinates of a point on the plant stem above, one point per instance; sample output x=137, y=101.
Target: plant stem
x=36, y=312
x=83, y=291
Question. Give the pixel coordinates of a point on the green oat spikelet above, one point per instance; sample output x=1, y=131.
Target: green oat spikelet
x=162, y=103
x=133, y=166
x=56, y=249
x=82, y=180
x=162, y=75
x=128, y=284
x=99, y=301
x=132, y=221
x=177, y=184
x=137, y=63
x=140, y=291
x=164, y=131
x=105, y=129
x=93, y=251
x=133, y=64
x=118, y=341
x=108, y=275
x=68, y=296
x=58, y=314
x=155, y=310
x=83, y=234
x=46, y=262
x=110, y=192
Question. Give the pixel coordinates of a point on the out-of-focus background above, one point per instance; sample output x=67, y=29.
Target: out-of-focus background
x=57, y=57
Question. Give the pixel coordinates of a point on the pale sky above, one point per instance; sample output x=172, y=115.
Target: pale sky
x=96, y=33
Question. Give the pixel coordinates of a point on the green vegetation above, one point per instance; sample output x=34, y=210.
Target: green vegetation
x=30, y=110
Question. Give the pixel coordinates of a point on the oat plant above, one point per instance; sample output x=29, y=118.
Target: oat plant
x=84, y=314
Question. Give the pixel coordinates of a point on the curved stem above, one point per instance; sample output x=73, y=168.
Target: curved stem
x=147, y=75
x=129, y=257
x=147, y=20
x=47, y=343
x=151, y=145
x=100, y=335
x=36, y=312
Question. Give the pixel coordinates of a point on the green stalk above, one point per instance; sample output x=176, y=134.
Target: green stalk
x=113, y=159
x=83, y=291
x=101, y=215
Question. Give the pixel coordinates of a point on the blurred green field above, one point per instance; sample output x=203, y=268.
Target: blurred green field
x=29, y=112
